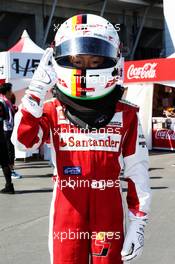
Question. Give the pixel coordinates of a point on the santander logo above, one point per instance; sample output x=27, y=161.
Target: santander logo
x=89, y=141
x=147, y=71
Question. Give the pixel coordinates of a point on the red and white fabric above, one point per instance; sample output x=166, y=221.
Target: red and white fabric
x=94, y=157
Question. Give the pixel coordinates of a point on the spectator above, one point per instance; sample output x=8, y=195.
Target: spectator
x=4, y=157
x=6, y=90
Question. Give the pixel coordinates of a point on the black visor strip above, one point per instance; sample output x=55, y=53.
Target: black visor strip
x=86, y=45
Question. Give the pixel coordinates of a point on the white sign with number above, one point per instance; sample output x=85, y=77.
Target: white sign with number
x=23, y=65
x=3, y=65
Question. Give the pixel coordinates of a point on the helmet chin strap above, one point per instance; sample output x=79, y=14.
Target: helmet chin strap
x=92, y=113
x=88, y=123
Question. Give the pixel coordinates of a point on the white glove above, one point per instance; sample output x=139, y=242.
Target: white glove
x=43, y=79
x=134, y=240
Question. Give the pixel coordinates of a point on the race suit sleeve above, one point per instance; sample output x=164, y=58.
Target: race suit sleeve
x=135, y=156
x=29, y=132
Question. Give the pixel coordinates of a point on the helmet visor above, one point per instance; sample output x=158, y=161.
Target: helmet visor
x=86, y=46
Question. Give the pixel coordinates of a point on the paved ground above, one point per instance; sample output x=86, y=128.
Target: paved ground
x=24, y=216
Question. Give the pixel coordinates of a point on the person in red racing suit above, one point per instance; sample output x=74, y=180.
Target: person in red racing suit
x=86, y=216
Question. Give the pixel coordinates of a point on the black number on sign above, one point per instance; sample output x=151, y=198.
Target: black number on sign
x=16, y=62
x=2, y=69
x=26, y=68
x=30, y=66
x=35, y=64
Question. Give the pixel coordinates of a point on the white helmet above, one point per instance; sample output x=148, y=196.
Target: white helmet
x=88, y=34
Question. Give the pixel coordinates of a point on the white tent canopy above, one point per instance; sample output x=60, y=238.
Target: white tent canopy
x=17, y=65
x=25, y=44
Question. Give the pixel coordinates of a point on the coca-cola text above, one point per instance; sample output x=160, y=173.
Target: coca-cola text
x=148, y=71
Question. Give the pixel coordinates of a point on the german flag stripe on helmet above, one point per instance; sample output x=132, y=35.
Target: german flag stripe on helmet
x=73, y=82
x=78, y=82
x=80, y=19
x=78, y=78
x=83, y=82
x=84, y=19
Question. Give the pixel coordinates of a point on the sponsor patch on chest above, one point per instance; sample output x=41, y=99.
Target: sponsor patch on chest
x=79, y=142
x=72, y=170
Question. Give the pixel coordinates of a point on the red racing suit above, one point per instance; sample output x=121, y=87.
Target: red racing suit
x=86, y=216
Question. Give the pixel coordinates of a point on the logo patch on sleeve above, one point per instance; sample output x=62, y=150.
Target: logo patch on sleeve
x=72, y=170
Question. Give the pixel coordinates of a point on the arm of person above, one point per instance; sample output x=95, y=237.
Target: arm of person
x=135, y=155
x=31, y=123
x=29, y=131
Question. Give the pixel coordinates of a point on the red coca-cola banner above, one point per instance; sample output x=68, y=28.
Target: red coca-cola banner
x=164, y=139
x=155, y=70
